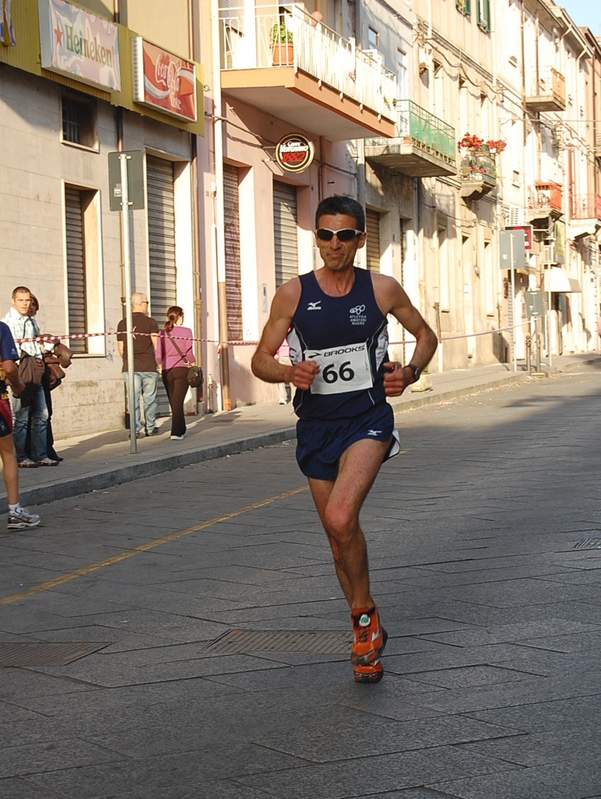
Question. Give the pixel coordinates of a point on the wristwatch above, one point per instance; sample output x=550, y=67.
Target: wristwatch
x=416, y=371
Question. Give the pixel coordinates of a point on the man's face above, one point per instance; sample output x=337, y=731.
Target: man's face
x=21, y=302
x=338, y=255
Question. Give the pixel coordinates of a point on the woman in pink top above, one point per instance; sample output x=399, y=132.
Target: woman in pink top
x=174, y=355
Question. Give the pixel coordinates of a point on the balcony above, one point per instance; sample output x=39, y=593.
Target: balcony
x=585, y=214
x=547, y=91
x=424, y=146
x=477, y=173
x=284, y=62
x=545, y=200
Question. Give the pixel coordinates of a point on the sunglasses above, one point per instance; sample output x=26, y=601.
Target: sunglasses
x=344, y=234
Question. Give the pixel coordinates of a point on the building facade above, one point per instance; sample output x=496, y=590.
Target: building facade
x=78, y=82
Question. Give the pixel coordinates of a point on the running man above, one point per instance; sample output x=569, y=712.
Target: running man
x=335, y=322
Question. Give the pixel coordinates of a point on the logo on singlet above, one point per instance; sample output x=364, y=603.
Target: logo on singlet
x=373, y=432
x=314, y=306
x=357, y=315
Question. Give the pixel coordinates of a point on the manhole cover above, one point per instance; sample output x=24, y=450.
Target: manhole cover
x=323, y=642
x=588, y=543
x=44, y=653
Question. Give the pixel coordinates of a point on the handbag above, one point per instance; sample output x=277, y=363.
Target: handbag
x=195, y=376
x=31, y=369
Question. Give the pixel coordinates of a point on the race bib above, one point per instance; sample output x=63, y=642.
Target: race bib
x=341, y=369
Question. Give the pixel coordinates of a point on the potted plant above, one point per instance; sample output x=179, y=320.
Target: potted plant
x=282, y=47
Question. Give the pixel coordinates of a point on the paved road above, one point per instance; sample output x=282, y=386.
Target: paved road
x=492, y=669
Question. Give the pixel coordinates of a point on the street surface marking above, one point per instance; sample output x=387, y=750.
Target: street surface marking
x=92, y=567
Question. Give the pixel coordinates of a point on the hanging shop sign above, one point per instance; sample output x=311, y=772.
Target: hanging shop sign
x=294, y=152
x=7, y=31
x=79, y=45
x=163, y=81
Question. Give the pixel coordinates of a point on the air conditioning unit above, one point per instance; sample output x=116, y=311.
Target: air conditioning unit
x=549, y=256
x=515, y=216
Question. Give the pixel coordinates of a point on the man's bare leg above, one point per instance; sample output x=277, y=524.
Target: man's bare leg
x=10, y=472
x=338, y=504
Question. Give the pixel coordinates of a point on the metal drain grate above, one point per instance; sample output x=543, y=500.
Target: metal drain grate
x=38, y=653
x=323, y=642
x=588, y=543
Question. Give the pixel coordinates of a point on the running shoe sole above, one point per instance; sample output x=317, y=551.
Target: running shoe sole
x=22, y=525
x=369, y=674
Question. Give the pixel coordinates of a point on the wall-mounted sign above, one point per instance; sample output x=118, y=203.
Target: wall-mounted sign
x=163, y=80
x=294, y=152
x=79, y=45
x=528, y=230
x=7, y=32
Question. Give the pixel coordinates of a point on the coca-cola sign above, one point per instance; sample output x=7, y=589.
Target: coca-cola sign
x=163, y=81
x=294, y=152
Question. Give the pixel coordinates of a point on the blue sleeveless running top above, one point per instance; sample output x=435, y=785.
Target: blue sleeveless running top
x=348, y=337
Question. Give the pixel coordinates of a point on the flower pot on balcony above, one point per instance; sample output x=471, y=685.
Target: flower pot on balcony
x=283, y=54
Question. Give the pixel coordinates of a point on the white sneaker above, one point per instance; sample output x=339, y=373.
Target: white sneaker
x=21, y=518
x=177, y=438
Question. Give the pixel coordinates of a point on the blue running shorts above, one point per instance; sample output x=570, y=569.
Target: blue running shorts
x=319, y=443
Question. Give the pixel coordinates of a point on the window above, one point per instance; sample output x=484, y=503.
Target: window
x=373, y=38
x=85, y=304
x=484, y=15
x=401, y=71
x=443, y=270
x=464, y=6
x=79, y=120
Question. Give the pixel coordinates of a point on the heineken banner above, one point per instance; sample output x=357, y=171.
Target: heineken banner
x=79, y=45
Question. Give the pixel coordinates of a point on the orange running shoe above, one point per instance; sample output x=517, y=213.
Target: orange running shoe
x=372, y=673
x=370, y=637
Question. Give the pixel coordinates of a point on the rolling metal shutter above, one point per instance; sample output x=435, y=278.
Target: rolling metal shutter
x=285, y=233
x=76, y=268
x=372, y=245
x=233, y=278
x=161, y=243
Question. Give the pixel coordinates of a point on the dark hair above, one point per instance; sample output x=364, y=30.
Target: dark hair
x=341, y=205
x=33, y=300
x=20, y=290
x=173, y=314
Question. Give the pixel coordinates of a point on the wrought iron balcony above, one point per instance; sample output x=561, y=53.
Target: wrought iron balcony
x=547, y=91
x=545, y=199
x=478, y=173
x=285, y=62
x=585, y=206
x=424, y=146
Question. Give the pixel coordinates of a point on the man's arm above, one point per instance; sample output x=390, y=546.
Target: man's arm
x=264, y=364
x=12, y=375
x=392, y=299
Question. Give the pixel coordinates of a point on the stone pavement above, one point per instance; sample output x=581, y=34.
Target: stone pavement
x=95, y=462
x=483, y=540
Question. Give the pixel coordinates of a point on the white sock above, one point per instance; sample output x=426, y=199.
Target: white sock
x=15, y=507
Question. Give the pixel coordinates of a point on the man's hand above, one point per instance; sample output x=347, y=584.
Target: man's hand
x=17, y=385
x=396, y=378
x=303, y=374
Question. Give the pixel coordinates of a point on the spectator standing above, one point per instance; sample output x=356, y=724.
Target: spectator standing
x=18, y=517
x=34, y=307
x=145, y=330
x=174, y=356
x=31, y=402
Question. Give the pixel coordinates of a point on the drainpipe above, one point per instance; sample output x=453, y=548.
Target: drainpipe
x=219, y=223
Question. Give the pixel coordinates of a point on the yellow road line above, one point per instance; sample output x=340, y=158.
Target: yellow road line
x=129, y=553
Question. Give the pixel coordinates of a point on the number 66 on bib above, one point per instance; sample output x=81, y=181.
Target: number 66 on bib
x=341, y=369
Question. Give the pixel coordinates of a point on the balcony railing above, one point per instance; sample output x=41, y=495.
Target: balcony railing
x=547, y=195
x=247, y=42
x=426, y=131
x=546, y=91
x=585, y=206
